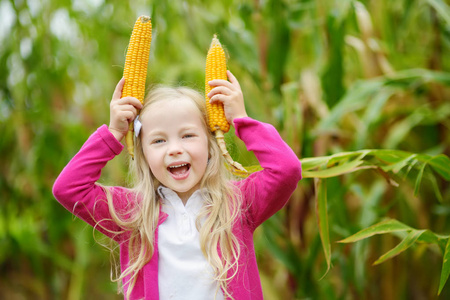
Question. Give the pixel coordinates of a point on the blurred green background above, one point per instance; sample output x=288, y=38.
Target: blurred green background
x=332, y=76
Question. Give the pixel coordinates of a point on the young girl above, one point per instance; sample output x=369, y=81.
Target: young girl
x=185, y=229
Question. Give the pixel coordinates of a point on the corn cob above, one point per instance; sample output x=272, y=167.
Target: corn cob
x=216, y=68
x=135, y=70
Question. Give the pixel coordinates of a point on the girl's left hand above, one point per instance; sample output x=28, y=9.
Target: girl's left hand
x=230, y=94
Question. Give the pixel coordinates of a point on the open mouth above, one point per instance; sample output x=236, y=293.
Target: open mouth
x=179, y=170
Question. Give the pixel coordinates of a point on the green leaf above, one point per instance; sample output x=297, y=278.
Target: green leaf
x=445, y=267
x=387, y=160
x=350, y=102
x=436, y=189
x=389, y=156
x=441, y=164
x=322, y=219
x=430, y=237
x=334, y=171
x=393, y=226
x=401, y=129
x=419, y=180
x=313, y=162
x=333, y=76
x=407, y=242
x=345, y=156
x=396, y=167
x=241, y=174
x=387, y=226
x=373, y=113
x=442, y=9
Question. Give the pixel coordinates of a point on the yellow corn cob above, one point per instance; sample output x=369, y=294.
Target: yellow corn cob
x=216, y=68
x=135, y=70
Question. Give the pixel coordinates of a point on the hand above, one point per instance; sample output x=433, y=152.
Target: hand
x=122, y=112
x=230, y=94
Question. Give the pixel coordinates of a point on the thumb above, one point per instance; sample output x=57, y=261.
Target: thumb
x=233, y=80
x=118, y=90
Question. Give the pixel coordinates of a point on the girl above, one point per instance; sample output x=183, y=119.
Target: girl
x=185, y=230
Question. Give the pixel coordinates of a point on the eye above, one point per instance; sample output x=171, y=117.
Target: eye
x=188, y=135
x=158, y=141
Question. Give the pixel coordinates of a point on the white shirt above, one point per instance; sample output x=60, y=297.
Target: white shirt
x=183, y=272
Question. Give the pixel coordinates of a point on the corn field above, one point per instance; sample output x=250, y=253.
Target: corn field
x=359, y=89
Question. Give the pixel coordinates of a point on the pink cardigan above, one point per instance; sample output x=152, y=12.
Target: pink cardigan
x=264, y=193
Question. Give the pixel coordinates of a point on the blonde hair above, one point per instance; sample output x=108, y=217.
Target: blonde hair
x=219, y=213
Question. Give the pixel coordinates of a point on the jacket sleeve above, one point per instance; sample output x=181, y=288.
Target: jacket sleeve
x=267, y=191
x=76, y=188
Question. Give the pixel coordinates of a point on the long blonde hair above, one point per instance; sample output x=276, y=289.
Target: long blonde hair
x=219, y=213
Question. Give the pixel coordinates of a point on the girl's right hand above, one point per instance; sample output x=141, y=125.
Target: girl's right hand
x=122, y=112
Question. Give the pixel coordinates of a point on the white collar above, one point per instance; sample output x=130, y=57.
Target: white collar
x=194, y=203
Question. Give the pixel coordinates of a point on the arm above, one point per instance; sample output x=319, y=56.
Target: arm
x=267, y=191
x=76, y=187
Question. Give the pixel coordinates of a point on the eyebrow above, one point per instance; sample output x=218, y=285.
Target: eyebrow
x=189, y=127
x=161, y=132
x=155, y=133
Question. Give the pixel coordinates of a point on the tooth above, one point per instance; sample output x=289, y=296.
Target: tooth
x=177, y=166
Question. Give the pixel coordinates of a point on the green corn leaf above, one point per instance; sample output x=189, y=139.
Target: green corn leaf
x=389, y=156
x=401, y=129
x=343, y=165
x=387, y=226
x=419, y=180
x=241, y=174
x=440, y=164
x=415, y=76
x=387, y=160
x=396, y=167
x=334, y=171
x=407, y=242
x=285, y=253
x=445, y=267
x=314, y=162
x=372, y=114
x=441, y=8
x=345, y=156
x=430, y=237
x=351, y=101
x=322, y=219
x=364, y=89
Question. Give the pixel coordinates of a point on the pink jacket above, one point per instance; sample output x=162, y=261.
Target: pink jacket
x=264, y=193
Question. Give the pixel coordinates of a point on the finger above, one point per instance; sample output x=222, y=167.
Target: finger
x=118, y=90
x=127, y=116
x=219, y=98
x=130, y=100
x=128, y=107
x=233, y=79
x=221, y=82
x=219, y=90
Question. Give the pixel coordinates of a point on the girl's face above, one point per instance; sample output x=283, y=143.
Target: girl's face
x=175, y=145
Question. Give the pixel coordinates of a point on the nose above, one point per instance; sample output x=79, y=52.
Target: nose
x=175, y=148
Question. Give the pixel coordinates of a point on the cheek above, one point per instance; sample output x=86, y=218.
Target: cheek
x=205, y=153
x=199, y=153
x=154, y=161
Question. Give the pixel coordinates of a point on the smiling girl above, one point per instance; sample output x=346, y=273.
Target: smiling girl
x=185, y=227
